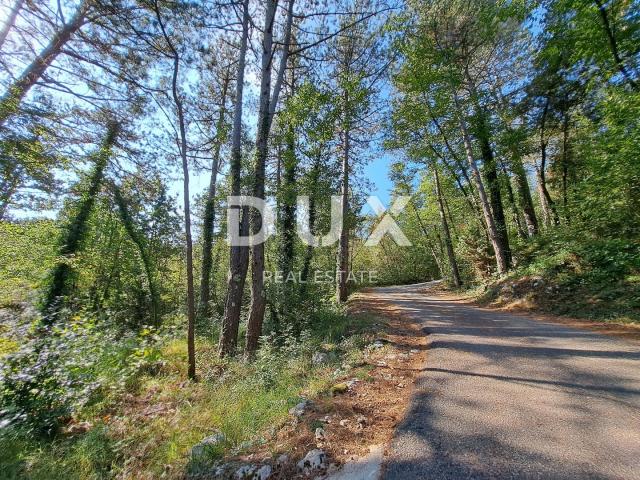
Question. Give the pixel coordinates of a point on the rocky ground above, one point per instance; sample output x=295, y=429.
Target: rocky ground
x=350, y=425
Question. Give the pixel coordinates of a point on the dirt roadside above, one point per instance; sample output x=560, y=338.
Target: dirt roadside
x=358, y=422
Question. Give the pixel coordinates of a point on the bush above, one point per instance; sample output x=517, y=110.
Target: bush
x=62, y=369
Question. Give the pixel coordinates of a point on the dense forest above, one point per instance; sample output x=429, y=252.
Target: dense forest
x=512, y=134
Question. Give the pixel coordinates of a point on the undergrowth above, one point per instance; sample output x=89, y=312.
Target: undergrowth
x=142, y=423
x=580, y=276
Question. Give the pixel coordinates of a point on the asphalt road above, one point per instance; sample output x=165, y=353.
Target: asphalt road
x=504, y=396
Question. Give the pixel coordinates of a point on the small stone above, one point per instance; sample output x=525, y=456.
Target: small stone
x=245, y=472
x=362, y=420
x=320, y=435
x=206, y=445
x=377, y=344
x=282, y=460
x=253, y=472
x=81, y=427
x=314, y=460
x=414, y=351
x=218, y=472
x=319, y=358
x=214, y=439
x=352, y=382
x=262, y=473
x=299, y=409
x=339, y=388
x=344, y=422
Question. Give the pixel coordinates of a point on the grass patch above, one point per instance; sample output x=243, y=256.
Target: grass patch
x=147, y=431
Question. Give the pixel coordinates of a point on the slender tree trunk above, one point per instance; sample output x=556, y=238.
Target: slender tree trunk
x=182, y=146
x=490, y=171
x=524, y=196
x=258, y=299
x=10, y=21
x=548, y=206
x=238, y=256
x=288, y=204
x=343, y=245
x=209, y=209
x=11, y=100
x=613, y=45
x=515, y=212
x=469, y=197
x=425, y=231
x=268, y=103
x=76, y=230
x=565, y=163
x=525, y=202
x=500, y=254
x=308, y=255
x=453, y=264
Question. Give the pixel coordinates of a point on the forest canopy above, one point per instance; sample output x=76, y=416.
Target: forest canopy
x=512, y=129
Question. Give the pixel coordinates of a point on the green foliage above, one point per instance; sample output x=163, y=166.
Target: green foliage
x=94, y=456
x=27, y=252
x=63, y=369
x=242, y=400
x=75, y=230
x=573, y=275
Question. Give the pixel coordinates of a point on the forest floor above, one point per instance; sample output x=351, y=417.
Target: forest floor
x=358, y=419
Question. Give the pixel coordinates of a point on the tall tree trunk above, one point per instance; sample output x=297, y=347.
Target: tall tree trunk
x=524, y=196
x=76, y=230
x=565, y=163
x=209, y=208
x=525, y=202
x=10, y=21
x=515, y=212
x=238, y=256
x=500, y=254
x=258, y=299
x=453, y=264
x=490, y=171
x=11, y=100
x=469, y=197
x=613, y=45
x=342, y=273
x=288, y=204
x=548, y=206
x=182, y=146
x=268, y=103
x=426, y=235
x=308, y=255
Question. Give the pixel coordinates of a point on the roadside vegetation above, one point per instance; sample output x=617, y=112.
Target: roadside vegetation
x=131, y=331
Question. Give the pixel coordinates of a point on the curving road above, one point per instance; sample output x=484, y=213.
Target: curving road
x=506, y=397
